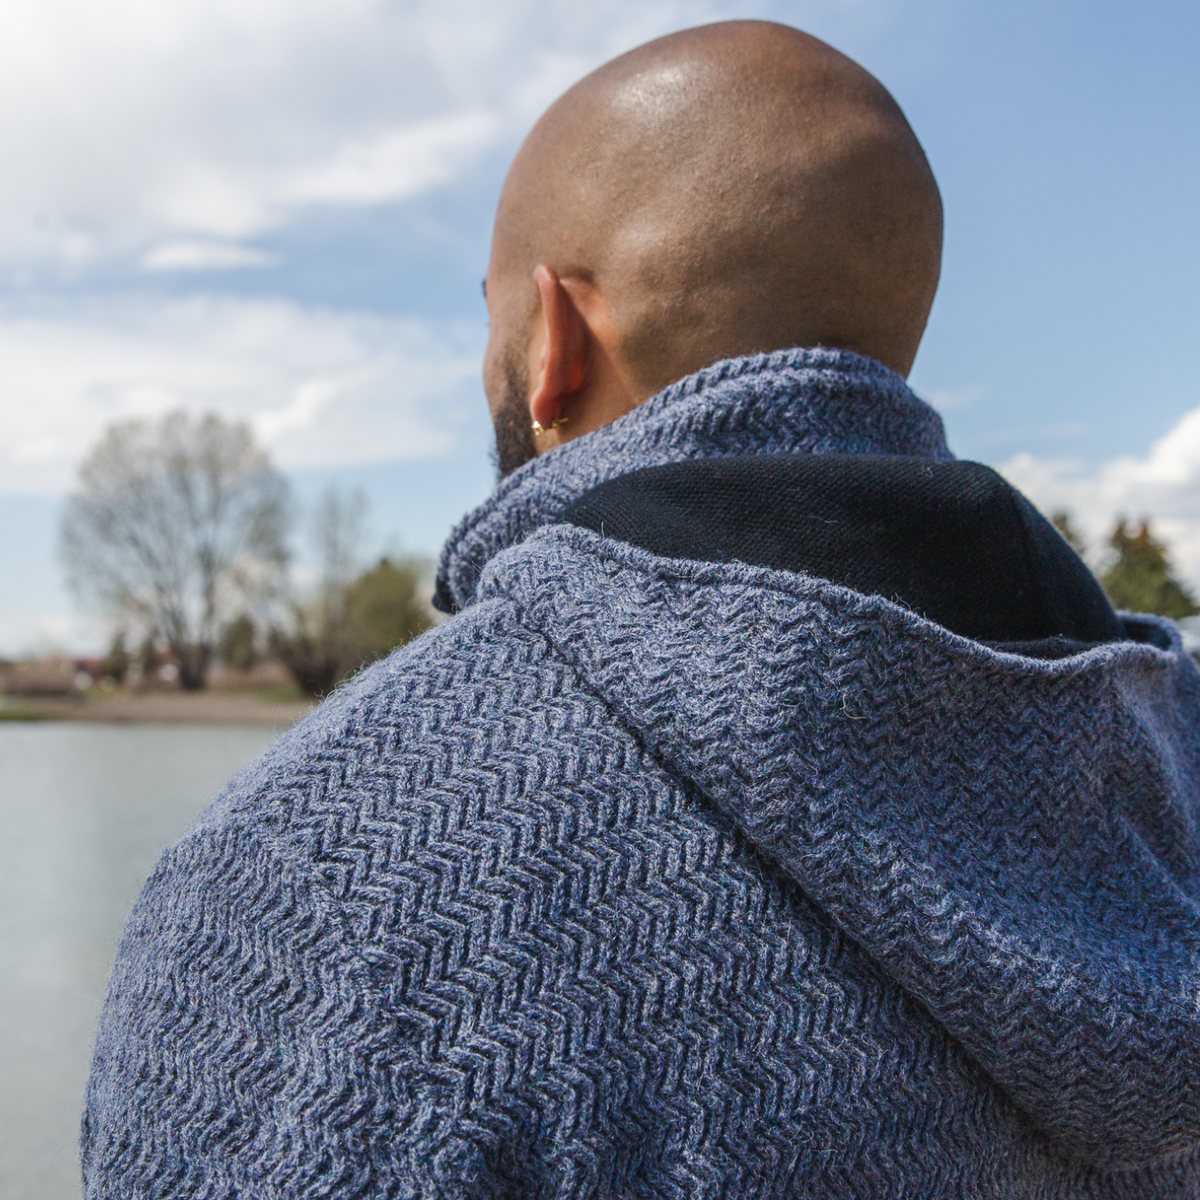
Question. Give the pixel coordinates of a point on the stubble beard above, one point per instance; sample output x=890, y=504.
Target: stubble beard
x=514, y=429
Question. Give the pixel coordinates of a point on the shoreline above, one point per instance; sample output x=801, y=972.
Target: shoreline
x=249, y=707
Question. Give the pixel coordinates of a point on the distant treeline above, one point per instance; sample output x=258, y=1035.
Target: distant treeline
x=179, y=533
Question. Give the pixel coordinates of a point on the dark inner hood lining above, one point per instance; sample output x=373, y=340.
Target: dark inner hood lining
x=951, y=541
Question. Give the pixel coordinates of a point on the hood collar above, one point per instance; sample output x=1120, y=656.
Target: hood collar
x=791, y=401
x=1013, y=841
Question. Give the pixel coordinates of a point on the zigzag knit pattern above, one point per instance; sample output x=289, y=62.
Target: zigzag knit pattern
x=650, y=878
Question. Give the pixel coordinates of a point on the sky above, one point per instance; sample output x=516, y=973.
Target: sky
x=280, y=210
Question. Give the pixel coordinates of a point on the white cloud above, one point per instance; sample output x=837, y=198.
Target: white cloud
x=1164, y=486
x=203, y=256
x=130, y=124
x=948, y=399
x=395, y=164
x=321, y=388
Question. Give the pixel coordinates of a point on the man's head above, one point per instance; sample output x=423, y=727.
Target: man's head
x=735, y=188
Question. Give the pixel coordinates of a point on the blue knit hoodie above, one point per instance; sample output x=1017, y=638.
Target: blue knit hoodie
x=649, y=877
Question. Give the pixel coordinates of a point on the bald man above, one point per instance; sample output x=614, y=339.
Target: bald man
x=783, y=812
x=729, y=190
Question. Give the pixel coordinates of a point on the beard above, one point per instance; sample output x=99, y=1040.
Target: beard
x=514, y=427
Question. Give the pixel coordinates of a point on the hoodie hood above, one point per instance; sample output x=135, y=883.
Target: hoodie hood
x=791, y=401
x=1012, y=840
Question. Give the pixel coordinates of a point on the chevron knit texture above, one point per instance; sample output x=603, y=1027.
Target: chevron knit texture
x=654, y=878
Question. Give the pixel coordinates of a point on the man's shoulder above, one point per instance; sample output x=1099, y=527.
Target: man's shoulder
x=448, y=717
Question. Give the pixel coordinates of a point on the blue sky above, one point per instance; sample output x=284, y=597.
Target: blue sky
x=281, y=210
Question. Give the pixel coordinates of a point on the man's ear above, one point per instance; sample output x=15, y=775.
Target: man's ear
x=563, y=365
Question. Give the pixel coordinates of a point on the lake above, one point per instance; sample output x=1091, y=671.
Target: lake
x=85, y=811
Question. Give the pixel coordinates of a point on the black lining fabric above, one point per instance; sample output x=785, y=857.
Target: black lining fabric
x=951, y=541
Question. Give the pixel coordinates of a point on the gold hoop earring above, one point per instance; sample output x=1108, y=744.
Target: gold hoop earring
x=538, y=427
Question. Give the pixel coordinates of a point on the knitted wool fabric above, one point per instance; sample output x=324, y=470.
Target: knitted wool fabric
x=647, y=877
x=792, y=401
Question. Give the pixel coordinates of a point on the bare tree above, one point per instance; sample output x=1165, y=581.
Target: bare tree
x=337, y=523
x=312, y=646
x=177, y=523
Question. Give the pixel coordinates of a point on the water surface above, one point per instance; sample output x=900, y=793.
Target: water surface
x=85, y=810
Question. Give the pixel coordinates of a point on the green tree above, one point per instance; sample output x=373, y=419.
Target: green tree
x=117, y=661
x=238, y=647
x=337, y=634
x=1061, y=520
x=307, y=651
x=1140, y=579
x=384, y=608
x=147, y=658
x=350, y=618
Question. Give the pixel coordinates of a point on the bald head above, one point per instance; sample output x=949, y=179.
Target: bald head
x=734, y=188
